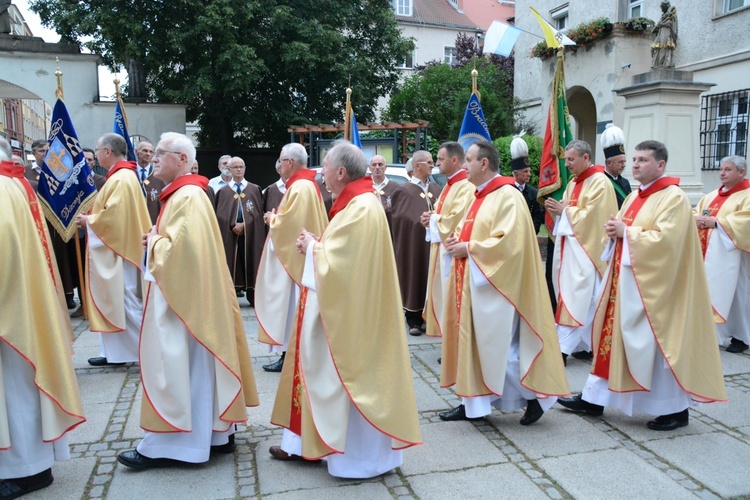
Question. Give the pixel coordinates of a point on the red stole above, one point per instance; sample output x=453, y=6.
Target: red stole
x=459, y=176
x=495, y=184
x=181, y=181
x=9, y=170
x=714, y=207
x=305, y=174
x=120, y=165
x=593, y=169
x=601, y=360
x=573, y=202
x=354, y=188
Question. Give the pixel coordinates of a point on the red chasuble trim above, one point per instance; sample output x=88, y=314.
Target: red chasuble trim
x=304, y=174
x=495, y=184
x=714, y=207
x=354, y=188
x=8, y=169
x=181, y=181
x=121, y=165
x=593, y=169
x=602, y=359
x=459, y=176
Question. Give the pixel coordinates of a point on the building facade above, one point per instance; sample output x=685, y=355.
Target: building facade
x=713, y=43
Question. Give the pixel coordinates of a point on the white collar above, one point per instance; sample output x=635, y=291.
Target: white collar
x=481, y=187
x=382, y=184
x=415, y=180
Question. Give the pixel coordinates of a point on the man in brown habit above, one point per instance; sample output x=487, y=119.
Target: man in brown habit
x=238, y=208
x=408, y=202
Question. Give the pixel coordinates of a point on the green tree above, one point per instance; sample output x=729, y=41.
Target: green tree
x=246, y=70
x=439, y=94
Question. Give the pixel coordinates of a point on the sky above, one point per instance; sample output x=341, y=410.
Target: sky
x=106, y=87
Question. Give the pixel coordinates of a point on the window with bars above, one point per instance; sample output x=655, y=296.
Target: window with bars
x=723, y=127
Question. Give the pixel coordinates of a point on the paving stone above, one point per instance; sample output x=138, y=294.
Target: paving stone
x=609, y=474
x=97, y=419
x=713, y=459
x=100, y=387
x=275, y=476
x=727, y=413
x=494, y=481
x=450, y=446
x=370, y=490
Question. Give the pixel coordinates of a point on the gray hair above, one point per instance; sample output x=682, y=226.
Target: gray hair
x=581, y=147
x=222, y=157
x=116, y=143
x=144, y=141
x=180, y=143
x=349, y=156
x=409, y=165
x=295, y=152
x=5, y=151
x=735, y=160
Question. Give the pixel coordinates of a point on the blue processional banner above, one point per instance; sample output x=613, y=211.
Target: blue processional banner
x=121, y=128
x=66, y=186
x=474, y=127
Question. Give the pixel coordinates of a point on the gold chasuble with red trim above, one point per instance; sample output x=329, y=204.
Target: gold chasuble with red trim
x=735, y=213
x=349, y=348
x=280, y=269
x=119, y=218
x=502, y=243
x=186, y=260
x=450, y=209
x=35, y=320
x=666, y=267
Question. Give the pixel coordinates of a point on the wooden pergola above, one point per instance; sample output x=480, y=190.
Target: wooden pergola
x=310, y=135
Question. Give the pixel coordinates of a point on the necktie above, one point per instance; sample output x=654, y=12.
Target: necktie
x=239, y=200
x=143, y=175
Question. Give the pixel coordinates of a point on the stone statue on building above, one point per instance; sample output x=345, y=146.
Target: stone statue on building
x=665, y=38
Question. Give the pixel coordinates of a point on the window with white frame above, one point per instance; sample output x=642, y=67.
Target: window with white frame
x=635, y=8
x=449, y=55
x=724, y=129
x=407, y=62
x=560, y=18
x=730, y=5
x=403, y=7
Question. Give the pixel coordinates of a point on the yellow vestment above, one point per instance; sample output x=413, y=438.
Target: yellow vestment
x=186, y=259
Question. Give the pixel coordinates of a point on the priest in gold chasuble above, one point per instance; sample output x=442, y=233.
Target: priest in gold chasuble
x=499, y=343
x=346, y=393
x=654, y=344
x=196, y=372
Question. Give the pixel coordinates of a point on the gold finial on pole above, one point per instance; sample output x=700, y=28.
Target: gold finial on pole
x=348, y=112
x=116, y=81
x=58, y=74
x=474, y=90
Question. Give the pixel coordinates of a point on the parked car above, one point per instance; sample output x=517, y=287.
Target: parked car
x=396, y=172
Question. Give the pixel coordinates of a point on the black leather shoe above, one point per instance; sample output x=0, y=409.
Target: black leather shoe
x=14, y=488
x=533, y=412
x=440, y=361
x=276, y=366
x=134, y=460
x=565, y=359
x=457, y=413
x=737, y=346
x=225, y=449
x=101, y=361
x=240, y=293
x=583, y=355
x=669, y=422
x=71, y=302
x=578, y=405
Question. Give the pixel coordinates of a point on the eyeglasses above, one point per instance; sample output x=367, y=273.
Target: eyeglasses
x=425, y=162
x=237, y=167
x=160, y=152
x=282, y=160
x=99, y=149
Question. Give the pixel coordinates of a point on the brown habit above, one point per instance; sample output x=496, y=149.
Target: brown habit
x=408, y=202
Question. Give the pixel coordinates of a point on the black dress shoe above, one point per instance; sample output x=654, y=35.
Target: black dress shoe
x=225, y=449
x=440, y=361
x=578, y=405
x=71, y=302
x=277, y=365
x=102, y=361
x=279, y=454
x=533, y=412
x=134, y=460
x=457, y=413
x=583, y=355
x=565, y=359
x=14, y=488
x=240, y=293
x=669, y=422
x=737, y=346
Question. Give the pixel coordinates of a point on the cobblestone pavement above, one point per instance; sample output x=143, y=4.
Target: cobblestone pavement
x=562, y=456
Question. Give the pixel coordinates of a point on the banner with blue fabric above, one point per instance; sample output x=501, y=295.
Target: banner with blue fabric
x=474, y=127
x=66, y=185
x=121, y=128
